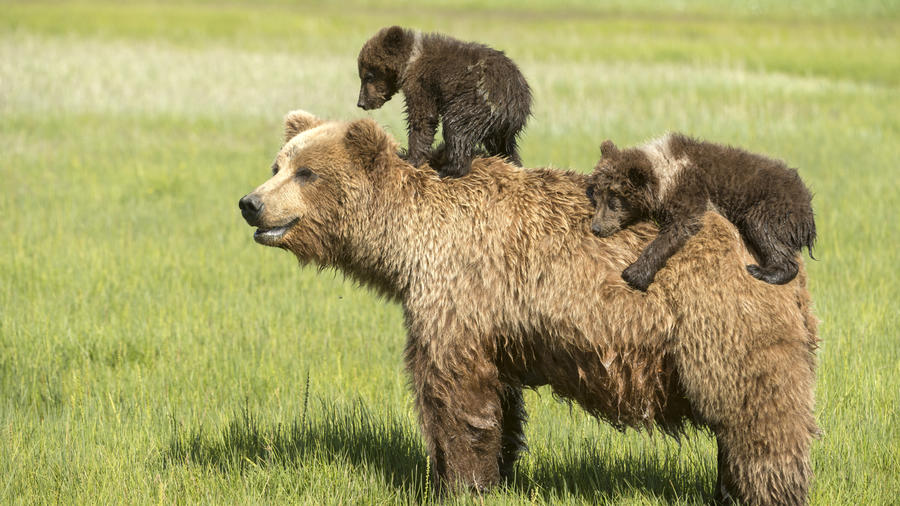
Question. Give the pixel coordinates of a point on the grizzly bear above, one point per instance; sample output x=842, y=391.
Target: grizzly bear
x=504, y=287
x=675, y=179
x=477, y=93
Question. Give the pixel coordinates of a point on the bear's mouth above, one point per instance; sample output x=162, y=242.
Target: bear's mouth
x=270, y=236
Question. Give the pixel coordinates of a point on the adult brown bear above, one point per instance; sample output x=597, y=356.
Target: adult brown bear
x=503, y=286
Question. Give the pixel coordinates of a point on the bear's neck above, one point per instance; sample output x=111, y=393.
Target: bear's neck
x=396, y=239
x=415, y=51
x=412, y=234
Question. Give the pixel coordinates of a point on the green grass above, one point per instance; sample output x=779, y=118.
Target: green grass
x=150, y=351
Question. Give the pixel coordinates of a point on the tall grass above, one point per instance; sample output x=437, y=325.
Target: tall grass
x=151, y=352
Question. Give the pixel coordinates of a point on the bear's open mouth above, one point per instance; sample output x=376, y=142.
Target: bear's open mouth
x=269, y=236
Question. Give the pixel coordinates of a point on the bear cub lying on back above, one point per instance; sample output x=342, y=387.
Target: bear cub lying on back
x=477, y=92
x=675, y=179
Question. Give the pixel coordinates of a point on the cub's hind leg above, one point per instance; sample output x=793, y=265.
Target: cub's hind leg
x=777, y=262
x=775, y=273
x=503, y=143
x=464, y=132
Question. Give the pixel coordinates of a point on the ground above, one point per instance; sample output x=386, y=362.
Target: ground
x=144, y=361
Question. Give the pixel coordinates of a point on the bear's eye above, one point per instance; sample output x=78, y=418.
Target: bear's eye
x=305, y=175
x=275, y=168
x=369, y=76
x=614, y=203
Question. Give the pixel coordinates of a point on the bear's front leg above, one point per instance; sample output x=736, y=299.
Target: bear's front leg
x=460, y=409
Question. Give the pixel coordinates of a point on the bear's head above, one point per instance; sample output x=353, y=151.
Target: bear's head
x=321, y=179
x=381, y=62
x=622, y=189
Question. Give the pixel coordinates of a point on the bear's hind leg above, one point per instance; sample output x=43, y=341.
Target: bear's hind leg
x=763, y=469
x=764, y=432
x=513, y=435
x=724, y=484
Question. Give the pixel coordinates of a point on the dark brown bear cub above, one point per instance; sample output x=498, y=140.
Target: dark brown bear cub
x=675, y=179
x=478, y=94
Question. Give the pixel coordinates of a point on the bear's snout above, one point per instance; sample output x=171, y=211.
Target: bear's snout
x=603, y=229
x=251, y=208
x=362, y=102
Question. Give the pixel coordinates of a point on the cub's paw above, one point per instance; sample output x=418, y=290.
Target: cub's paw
x=637, y=278
x=454, y=169
x=755, y=271
x=775, y=275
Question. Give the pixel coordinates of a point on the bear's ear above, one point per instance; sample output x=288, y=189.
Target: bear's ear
x=393, y=39
x=608, y=149
x=298, y=121
x=368, y=144
x=638, y=175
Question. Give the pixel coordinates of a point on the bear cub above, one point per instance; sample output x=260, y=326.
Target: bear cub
x=675, y=179
x=477, y=93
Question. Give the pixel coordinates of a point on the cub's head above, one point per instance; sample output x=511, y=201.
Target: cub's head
x=321, y=181
x=621, y=188
x=381, y=62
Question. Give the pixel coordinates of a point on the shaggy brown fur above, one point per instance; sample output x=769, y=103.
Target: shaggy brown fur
x=477, y=92
x=503, y=286
x=676, y=179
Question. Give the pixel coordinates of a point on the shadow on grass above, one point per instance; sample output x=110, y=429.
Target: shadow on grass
x=386, y=443
x=597, y=477
x=346, y=433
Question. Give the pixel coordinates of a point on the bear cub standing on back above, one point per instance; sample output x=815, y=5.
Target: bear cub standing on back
x=478, y=94
x=674, y=179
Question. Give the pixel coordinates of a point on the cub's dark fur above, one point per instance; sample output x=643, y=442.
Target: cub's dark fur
x=478, y=94
x=675, y=179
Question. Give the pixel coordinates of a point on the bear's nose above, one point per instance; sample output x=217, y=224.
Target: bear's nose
x=361, y=102
x=251, y=207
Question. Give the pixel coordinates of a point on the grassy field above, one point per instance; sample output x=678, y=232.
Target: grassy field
x=150, y=351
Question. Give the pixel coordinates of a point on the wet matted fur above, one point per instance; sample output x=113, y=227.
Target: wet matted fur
x=503, y=286
x=477, y=93
x=676, y=179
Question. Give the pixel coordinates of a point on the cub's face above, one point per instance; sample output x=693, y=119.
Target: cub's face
x=621, y=188
x=613, y=211
x=619, y=191
x=377, y=86
x=380, y=62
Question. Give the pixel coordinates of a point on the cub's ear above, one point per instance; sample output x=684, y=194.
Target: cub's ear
x=393, y=39
x=299, y=121
x=638, y=175
x=368, y=144
x=608, y=149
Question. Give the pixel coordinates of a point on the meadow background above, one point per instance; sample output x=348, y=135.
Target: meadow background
x=151, y=352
